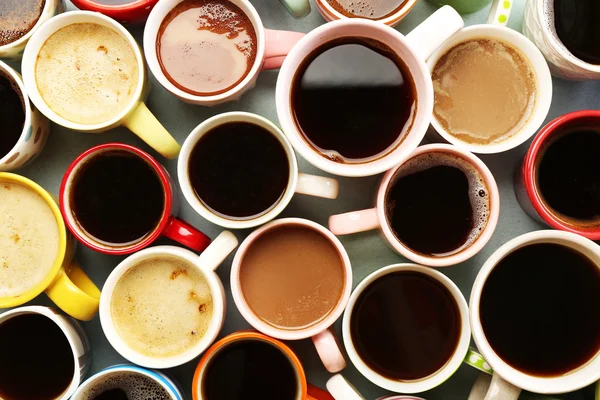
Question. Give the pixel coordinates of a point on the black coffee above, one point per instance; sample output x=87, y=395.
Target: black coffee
x=437, y=204
x=117, y=197
x=250, y=369
x=354, y=99
x=568, y=174
x=36, y=359
x=539, y=309
x=113, y=394
x=239, y=170
x=405, y=325
x=12, y=114
x=576, y=23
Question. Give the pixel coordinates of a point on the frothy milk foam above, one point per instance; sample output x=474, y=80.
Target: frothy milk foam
x=87, y=73
x=29, y=239
x=162, y=307
x=136, y=386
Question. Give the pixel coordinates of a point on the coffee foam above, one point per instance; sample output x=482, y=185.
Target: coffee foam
x=479, y=194
x=162, y=307
x=135, y=385
x=372, y=9
x=29, y=239
x=87, y=73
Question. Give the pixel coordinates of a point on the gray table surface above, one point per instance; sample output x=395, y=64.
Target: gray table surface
x=367, y=251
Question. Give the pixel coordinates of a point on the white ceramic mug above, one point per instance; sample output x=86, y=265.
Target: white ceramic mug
x=272, y=47
x=496, y=29
x=508, y=382
x=298, y=182
x=206, y=263
x=76, y=336
x=413, y=49
x=35, y=130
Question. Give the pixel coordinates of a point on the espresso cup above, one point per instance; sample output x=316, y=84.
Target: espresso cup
x=65, y=282
x=63, y=340
x=14, y=50
x=168, y=225
x=135, y=381
x=35, y=129
x=508, y=380
x=532, y=118
x=134, y=12
x=203, y=267
x=412, y=50
x=135, y=116
x=297, y=182
x=393, y=18
x=323, y=338
x=527, y=180
x=272, y=47
x=485, y=215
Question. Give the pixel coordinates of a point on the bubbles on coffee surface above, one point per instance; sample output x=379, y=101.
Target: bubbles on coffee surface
x=133, y=385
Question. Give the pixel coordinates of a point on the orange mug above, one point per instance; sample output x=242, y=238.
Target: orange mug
x=304, y=391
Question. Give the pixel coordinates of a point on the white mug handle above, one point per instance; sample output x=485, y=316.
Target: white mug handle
x=217, y=251
x=502, y=390
x=298, y=8
x=434, y=31
x=341, y=389
x=317, y=186
x=480, y=387
x=500, y=12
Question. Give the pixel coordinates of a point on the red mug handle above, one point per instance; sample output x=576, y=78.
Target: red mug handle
x=278, y=45
x=314, y=393
x=184, y=233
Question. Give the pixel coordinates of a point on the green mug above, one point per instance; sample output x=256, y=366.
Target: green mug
x=463, y=6
x=298, y=8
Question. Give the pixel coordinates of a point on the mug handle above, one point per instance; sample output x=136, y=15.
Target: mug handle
x=500, y=12
x=144, y=124
x=318, y=186
x=314, y=393
x=75, y=293
x=218, y=251
x=328, y=348
x=298, y=8
x=278, y=45
x=434, y=31
x=341, y=389
x=480, y=387
x=502, y=390
x=184, y=233
x=354, y=222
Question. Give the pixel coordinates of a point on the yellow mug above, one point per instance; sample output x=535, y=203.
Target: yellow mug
x=66, y=284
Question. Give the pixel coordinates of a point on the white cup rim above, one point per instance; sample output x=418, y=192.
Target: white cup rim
x=108, y=326
x=441, y=375
x=26, y=37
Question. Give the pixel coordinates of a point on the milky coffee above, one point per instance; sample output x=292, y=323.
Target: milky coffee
x=130, y=385
x=87, y=73
x=29, y=239
x=162, y=307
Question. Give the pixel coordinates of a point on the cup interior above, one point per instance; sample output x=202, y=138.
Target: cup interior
x=47, y=12
x=392, y=19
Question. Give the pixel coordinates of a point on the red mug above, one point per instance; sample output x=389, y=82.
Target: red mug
x=136, y=11
x=168, y=225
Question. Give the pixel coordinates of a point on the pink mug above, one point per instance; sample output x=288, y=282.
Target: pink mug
x=272, y=48
x=324, y=339
x=373, y=218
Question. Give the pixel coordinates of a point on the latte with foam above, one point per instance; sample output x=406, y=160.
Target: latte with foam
x=128, y=385
x=87, y=73
x=29, y=239
x=162, y=307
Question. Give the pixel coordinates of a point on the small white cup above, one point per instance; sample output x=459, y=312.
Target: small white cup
x=206, y=263
x=298, y=182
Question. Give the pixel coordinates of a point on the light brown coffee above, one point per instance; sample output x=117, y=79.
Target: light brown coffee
x=292, y=277
x=485, y=91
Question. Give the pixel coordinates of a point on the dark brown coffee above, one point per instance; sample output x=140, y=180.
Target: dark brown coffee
x=36, y=359
x=117, y=197
x=206, y=47
x=576, y=24
x=539, y=309
x=12, y=113
x=239, y=170
x=405, y=325
x=113, y=394
x=437, y=204
x=354, y=99
x=371, y=9
x=17, y=18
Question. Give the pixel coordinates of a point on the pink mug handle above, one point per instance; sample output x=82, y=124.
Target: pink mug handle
x=354, y=222
x=328, y=348
x=278, y=45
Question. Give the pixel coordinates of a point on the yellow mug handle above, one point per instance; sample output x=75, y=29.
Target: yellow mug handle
x=144, y=124
x=75, y=293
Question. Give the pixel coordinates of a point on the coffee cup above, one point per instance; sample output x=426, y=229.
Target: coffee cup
x=14, y=49
x=40, y=345
x=270, y=48
x=166, y=324
x=402, y=219
x=126, y=12
x=264, y=157
x=361, y=157
x=62, y=279
x=116, y=99
x=298, y=8
x=30, y=140
x=507, y=117
x=540, y=189
x=295, y=301
x=508, y=269
x=333, y=10
x=131, y=380
x=104, y=210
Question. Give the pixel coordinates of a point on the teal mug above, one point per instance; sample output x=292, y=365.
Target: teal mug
x=463, y=6
x=298, y=8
